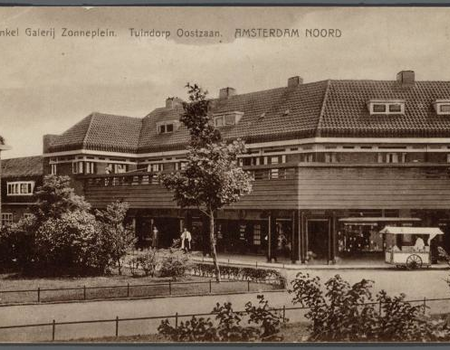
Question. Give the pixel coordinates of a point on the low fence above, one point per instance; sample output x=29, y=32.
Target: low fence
x=160, y=289
x=117, y=323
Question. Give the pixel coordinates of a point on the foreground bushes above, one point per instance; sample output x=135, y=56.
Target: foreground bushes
x=257, y=275
x=339, y=311
x=166, y=262
x=264, y=324
x=64, y=237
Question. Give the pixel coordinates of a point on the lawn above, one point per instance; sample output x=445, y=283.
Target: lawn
x=114, y=286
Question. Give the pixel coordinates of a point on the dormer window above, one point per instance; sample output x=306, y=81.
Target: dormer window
x=386, y=107
x=442, y=107
x=227, y=119
x=167, y=127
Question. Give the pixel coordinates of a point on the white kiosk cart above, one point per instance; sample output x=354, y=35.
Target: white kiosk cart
x=412, y=249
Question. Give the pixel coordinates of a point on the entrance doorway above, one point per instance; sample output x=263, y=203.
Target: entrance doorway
x=318, y=237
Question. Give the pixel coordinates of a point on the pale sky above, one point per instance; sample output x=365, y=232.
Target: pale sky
x=48, y=85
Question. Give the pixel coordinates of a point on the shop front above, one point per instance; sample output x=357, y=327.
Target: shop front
x=360, y=237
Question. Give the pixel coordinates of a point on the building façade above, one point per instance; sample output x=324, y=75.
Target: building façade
x=333, y=161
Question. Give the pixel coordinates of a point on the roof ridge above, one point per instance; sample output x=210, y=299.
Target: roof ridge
x=322, y=109
x=91, y=116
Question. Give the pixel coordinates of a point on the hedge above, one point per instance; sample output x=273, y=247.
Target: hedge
x=257, y=275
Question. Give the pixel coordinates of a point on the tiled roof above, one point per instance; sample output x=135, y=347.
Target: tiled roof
x=22, y=167
x=332, y=108
x=268, y=115
x=346, y=114
x=102, y=132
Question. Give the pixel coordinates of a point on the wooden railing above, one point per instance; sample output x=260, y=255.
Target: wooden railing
x=279, y=172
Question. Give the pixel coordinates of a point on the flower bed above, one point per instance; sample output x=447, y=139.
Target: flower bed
x=256, y=275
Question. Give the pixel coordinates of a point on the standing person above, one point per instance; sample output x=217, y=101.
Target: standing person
x=155, y=237
x=186, y=239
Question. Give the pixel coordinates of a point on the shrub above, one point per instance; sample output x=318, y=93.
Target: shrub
x=174, y=264
x=68, y=244
x=134, y=265
x=17, y=244
x=344, y=312
x=148, y=261
x=264, y=325
x=256, y=275
x=117, y=238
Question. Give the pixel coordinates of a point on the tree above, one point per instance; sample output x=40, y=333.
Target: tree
x=212, y=177
x=56, y=197
x=116, y=237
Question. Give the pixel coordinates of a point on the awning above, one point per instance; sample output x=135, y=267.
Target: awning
x=434, y=231
x=377, y=219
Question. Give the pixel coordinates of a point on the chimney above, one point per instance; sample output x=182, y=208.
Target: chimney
x=295, y=81
x=406, y=78
x=47, y=141
x=172, y=102
x=226, y=93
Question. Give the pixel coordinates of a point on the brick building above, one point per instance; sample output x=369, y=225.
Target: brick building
x=20, y=178
x=334, y=161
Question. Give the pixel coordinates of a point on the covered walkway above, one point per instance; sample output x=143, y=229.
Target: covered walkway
x=285, y=263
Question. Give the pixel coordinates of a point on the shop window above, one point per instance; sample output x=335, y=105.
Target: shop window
x=360, y=238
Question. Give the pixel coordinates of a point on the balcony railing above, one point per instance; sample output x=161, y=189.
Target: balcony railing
x=280, y=172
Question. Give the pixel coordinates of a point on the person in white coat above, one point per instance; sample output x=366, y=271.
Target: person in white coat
x=186, y=239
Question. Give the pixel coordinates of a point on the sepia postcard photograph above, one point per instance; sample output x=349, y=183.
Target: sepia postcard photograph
x=224, y=175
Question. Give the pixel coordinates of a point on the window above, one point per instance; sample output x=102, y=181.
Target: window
x=167, y=127
x=330, y=158
x=153, y=168
x=7, y=219
x=395, y=108
x=386, y=107
x=20, y=188
x=392, y=158
x=180, y=165
x=90, y=168
x=442, y=107
x=27, y=215
x=227, y=119
x=307, y=157
x=218, y=122
x=120, y=168
x=379, y=108
x=53, y=169
x=77, y=167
